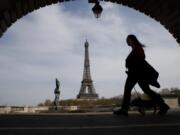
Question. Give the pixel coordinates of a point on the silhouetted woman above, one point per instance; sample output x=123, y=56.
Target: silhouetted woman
x=139, y=71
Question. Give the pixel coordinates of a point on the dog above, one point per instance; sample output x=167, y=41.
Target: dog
x=143, y=105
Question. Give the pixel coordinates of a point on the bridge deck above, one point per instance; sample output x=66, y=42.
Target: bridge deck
x=89, y=124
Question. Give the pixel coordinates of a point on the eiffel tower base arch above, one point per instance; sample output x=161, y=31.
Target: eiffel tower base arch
x=87, y=96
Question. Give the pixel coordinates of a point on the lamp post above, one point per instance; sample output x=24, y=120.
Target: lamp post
x=97, y=9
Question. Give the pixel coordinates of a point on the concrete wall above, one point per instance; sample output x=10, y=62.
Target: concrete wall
x=172, y=102
x=21, y=109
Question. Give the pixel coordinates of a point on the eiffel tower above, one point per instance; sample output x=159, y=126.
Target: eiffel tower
x=87, y=90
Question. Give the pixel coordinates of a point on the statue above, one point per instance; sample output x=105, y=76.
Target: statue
x=57, y=94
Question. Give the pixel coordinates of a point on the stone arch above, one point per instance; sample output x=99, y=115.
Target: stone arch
x=165, y=12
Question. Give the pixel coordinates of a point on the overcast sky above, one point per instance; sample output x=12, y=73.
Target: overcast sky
x=49, y=44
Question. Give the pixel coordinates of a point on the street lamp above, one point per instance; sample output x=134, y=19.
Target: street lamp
x=97, y=9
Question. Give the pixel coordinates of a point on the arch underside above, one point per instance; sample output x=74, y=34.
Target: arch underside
x=167, y=12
